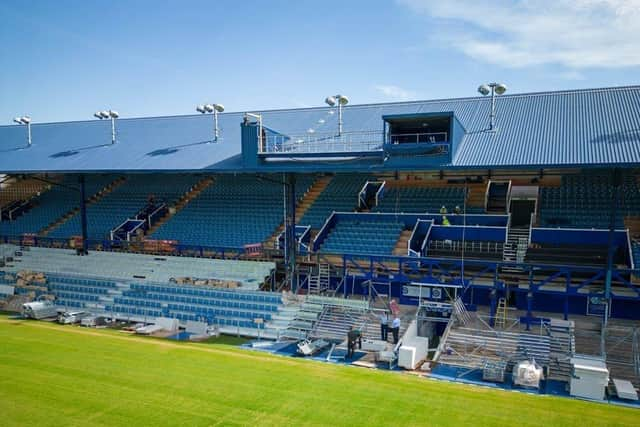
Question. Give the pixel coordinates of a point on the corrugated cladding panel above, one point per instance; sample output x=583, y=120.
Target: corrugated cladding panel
x=594, y=127
x=582, y=127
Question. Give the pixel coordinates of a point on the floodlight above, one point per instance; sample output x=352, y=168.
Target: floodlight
x=25, y=120
x=109, y=114
x=341, y=101
x=493, y=89
x=215, y=109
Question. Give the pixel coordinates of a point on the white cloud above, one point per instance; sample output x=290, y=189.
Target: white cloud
x=572, y=75
x=520, y=33
x=395, y=93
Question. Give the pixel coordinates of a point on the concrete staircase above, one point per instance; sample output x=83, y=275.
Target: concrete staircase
x=633, y=224
x=93, y=199
x=401, y=244
x=319, y=185
x=303, y=205
x=181, y=203
x=476, y=195
x=517, y=243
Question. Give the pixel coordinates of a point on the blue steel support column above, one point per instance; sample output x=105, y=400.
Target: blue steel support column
x=290, y=243
x=566, y=307
x=83, y=217
x=615, y=200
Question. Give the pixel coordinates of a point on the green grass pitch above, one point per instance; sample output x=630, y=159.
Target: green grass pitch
x=59, y=376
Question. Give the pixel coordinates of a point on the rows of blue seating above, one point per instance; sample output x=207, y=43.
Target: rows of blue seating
x=211, y=301
x=125, y=201
x=234, y=211
x=220, y=312
x=220, y=321
x=412, y=199
x=257, y=297
x=80, y=289
x=340, y=195
x=52, y=204
x=231, y=308
x=76, y=296
x=52, y=278
x=363, y=237
x=584, y=201
x=133, y=311
x=70, y=303
x=137, y=302
x=635, y=251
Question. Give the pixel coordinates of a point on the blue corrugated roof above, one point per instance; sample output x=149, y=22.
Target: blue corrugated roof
x=547, y=129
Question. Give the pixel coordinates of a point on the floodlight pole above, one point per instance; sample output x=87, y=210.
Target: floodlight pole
x=492, y=115
x=339, y=118
x=216, y=130
x=290, y=240
x=113, y=129
x=29, y=133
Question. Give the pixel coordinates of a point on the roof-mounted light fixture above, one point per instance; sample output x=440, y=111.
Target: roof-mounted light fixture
x=109, y=114
x=215, y=109
x=493, y=89
x=340, y=101
x=25, y=120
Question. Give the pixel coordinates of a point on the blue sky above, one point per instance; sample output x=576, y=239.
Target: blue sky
x=63, y=60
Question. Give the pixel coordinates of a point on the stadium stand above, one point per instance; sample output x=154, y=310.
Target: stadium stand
x=584, y=201
x=232, y=212
x=51, y=205
x=341, y=195
x=129, y=266
x=18, y=191
x=363, y=237
x=409, y=198
x=229, y=195
x=124, y=202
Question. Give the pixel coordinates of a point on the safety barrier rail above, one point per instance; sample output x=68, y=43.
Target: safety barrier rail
x=168, y=247
x=346, y=142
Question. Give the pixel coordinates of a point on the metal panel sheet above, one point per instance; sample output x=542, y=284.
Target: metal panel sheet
x=548, y=129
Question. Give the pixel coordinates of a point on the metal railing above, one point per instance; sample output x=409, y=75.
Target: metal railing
x=323, y=142
x=347, y=142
